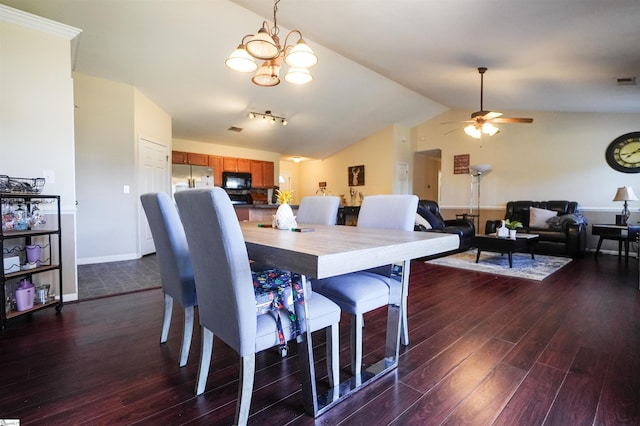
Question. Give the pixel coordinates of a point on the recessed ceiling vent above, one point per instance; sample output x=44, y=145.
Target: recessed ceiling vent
x=627, y=81
x=235, y=129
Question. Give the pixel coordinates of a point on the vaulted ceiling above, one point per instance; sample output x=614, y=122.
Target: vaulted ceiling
x=380, y=62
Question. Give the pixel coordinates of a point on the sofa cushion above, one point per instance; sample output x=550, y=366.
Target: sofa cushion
x=538, y=217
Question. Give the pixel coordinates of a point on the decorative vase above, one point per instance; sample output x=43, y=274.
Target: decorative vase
x=502, y=231
x=284, y=218
x=512, y=234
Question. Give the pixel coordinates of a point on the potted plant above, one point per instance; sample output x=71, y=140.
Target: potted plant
x=512, y=225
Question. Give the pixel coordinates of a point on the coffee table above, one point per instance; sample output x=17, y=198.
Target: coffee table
x=522, y=242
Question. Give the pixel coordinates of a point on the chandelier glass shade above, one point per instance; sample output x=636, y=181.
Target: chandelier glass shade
x=265, y=46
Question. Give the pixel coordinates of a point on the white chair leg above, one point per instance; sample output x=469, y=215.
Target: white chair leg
x=166, y=322
x=205, y=360
x=245, y=390
x=404, y=324
x=356, y=345
x=333, y=354
x=186, y=335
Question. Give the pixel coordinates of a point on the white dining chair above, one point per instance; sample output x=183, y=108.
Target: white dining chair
x=226, y=301
x=318, y=209
x=360, y=292
x=174, y=260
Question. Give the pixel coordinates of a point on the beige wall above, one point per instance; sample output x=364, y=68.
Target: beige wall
x=559, y=156
x=36, y=116
x=377, y=153
x=110, y=118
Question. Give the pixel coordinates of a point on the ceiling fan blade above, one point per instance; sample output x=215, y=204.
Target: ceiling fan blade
x=485, y=115
x=512, y=120
x=492, y=115
x=461, y=121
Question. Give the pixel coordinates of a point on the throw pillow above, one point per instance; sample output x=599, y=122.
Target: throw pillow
x=538, y=217
x=422, y=221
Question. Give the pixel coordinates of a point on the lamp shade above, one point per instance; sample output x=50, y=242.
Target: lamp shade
x=625, y=193
x=267, y=75
x=480, y=169
x=301, y=56
x=262, y=46
x=298, y=76
x=241, y=61
x=473, y=131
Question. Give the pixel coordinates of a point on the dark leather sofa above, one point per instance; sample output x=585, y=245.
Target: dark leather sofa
x=430, y=211
x=564, y=234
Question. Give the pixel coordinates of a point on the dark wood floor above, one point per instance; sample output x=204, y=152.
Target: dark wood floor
x=484, y=350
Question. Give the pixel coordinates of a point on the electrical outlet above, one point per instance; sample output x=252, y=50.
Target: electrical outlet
x=125, y=189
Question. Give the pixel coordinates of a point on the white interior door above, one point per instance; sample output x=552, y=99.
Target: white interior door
x=153, y=176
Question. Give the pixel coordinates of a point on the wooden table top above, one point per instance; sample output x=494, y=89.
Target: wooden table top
x=335, y=250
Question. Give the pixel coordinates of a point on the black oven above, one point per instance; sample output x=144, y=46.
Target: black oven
x=233, y=180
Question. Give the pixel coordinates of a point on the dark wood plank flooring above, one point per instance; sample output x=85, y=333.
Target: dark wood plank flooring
x=484, y=350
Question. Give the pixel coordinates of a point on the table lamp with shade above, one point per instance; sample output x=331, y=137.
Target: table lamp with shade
x=624, y=193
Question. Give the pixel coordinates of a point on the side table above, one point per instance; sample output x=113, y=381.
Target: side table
x=623, y=234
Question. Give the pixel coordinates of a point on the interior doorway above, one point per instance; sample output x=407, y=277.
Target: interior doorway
x=426, y=174
x=153, y=176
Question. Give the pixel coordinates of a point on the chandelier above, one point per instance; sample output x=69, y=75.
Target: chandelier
x=268, y=116
x=265, y=46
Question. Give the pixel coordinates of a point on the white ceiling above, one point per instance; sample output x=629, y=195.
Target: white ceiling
x=380, y=62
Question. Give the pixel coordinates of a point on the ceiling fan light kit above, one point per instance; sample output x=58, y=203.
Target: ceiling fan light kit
x=265, y=46
x=482, y=121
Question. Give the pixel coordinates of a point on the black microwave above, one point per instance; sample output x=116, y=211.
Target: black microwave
x=234, y=180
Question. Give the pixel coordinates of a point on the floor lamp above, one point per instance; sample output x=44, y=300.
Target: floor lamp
x=476, y=173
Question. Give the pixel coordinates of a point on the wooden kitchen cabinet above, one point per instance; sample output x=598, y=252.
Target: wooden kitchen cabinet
x=257, y=179
x=231, y=164
x=195, y=159
x=215, y=163
x=179, y=157
x=267, y=174
x=262, y=174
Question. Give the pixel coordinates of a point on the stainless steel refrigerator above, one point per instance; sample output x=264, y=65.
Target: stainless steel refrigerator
x=185, y=176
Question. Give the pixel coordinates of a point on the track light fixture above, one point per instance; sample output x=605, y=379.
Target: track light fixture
x=265, y=46
x=268, y=116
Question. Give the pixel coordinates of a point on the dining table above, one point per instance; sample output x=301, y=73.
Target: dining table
x=322, y=251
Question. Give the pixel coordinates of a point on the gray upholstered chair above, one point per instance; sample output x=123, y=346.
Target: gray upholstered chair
x=174, y=260
x=318, y=209
x=226, y=302
x=360, y=292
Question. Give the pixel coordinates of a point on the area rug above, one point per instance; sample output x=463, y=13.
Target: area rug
x=494, y=263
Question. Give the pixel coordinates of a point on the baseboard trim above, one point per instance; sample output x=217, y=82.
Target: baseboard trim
x=107, y=259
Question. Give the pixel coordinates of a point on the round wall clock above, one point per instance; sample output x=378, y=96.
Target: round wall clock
x=623, y=154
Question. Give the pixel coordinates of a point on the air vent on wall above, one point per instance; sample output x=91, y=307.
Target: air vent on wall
x=627, y=81
x=235, y=129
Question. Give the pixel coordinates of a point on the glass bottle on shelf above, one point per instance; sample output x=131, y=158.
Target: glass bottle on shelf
x=22, y=219
x=37, y=218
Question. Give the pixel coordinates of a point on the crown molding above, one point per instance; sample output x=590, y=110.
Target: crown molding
x=15, y=16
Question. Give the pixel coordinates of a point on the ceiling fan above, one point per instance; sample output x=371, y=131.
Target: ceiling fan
x=483, y=121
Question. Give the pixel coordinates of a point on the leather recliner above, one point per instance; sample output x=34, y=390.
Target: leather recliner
x=463, y=228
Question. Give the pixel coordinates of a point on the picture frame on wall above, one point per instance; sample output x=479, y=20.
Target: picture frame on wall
x=355, y=175
x=461, y=164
